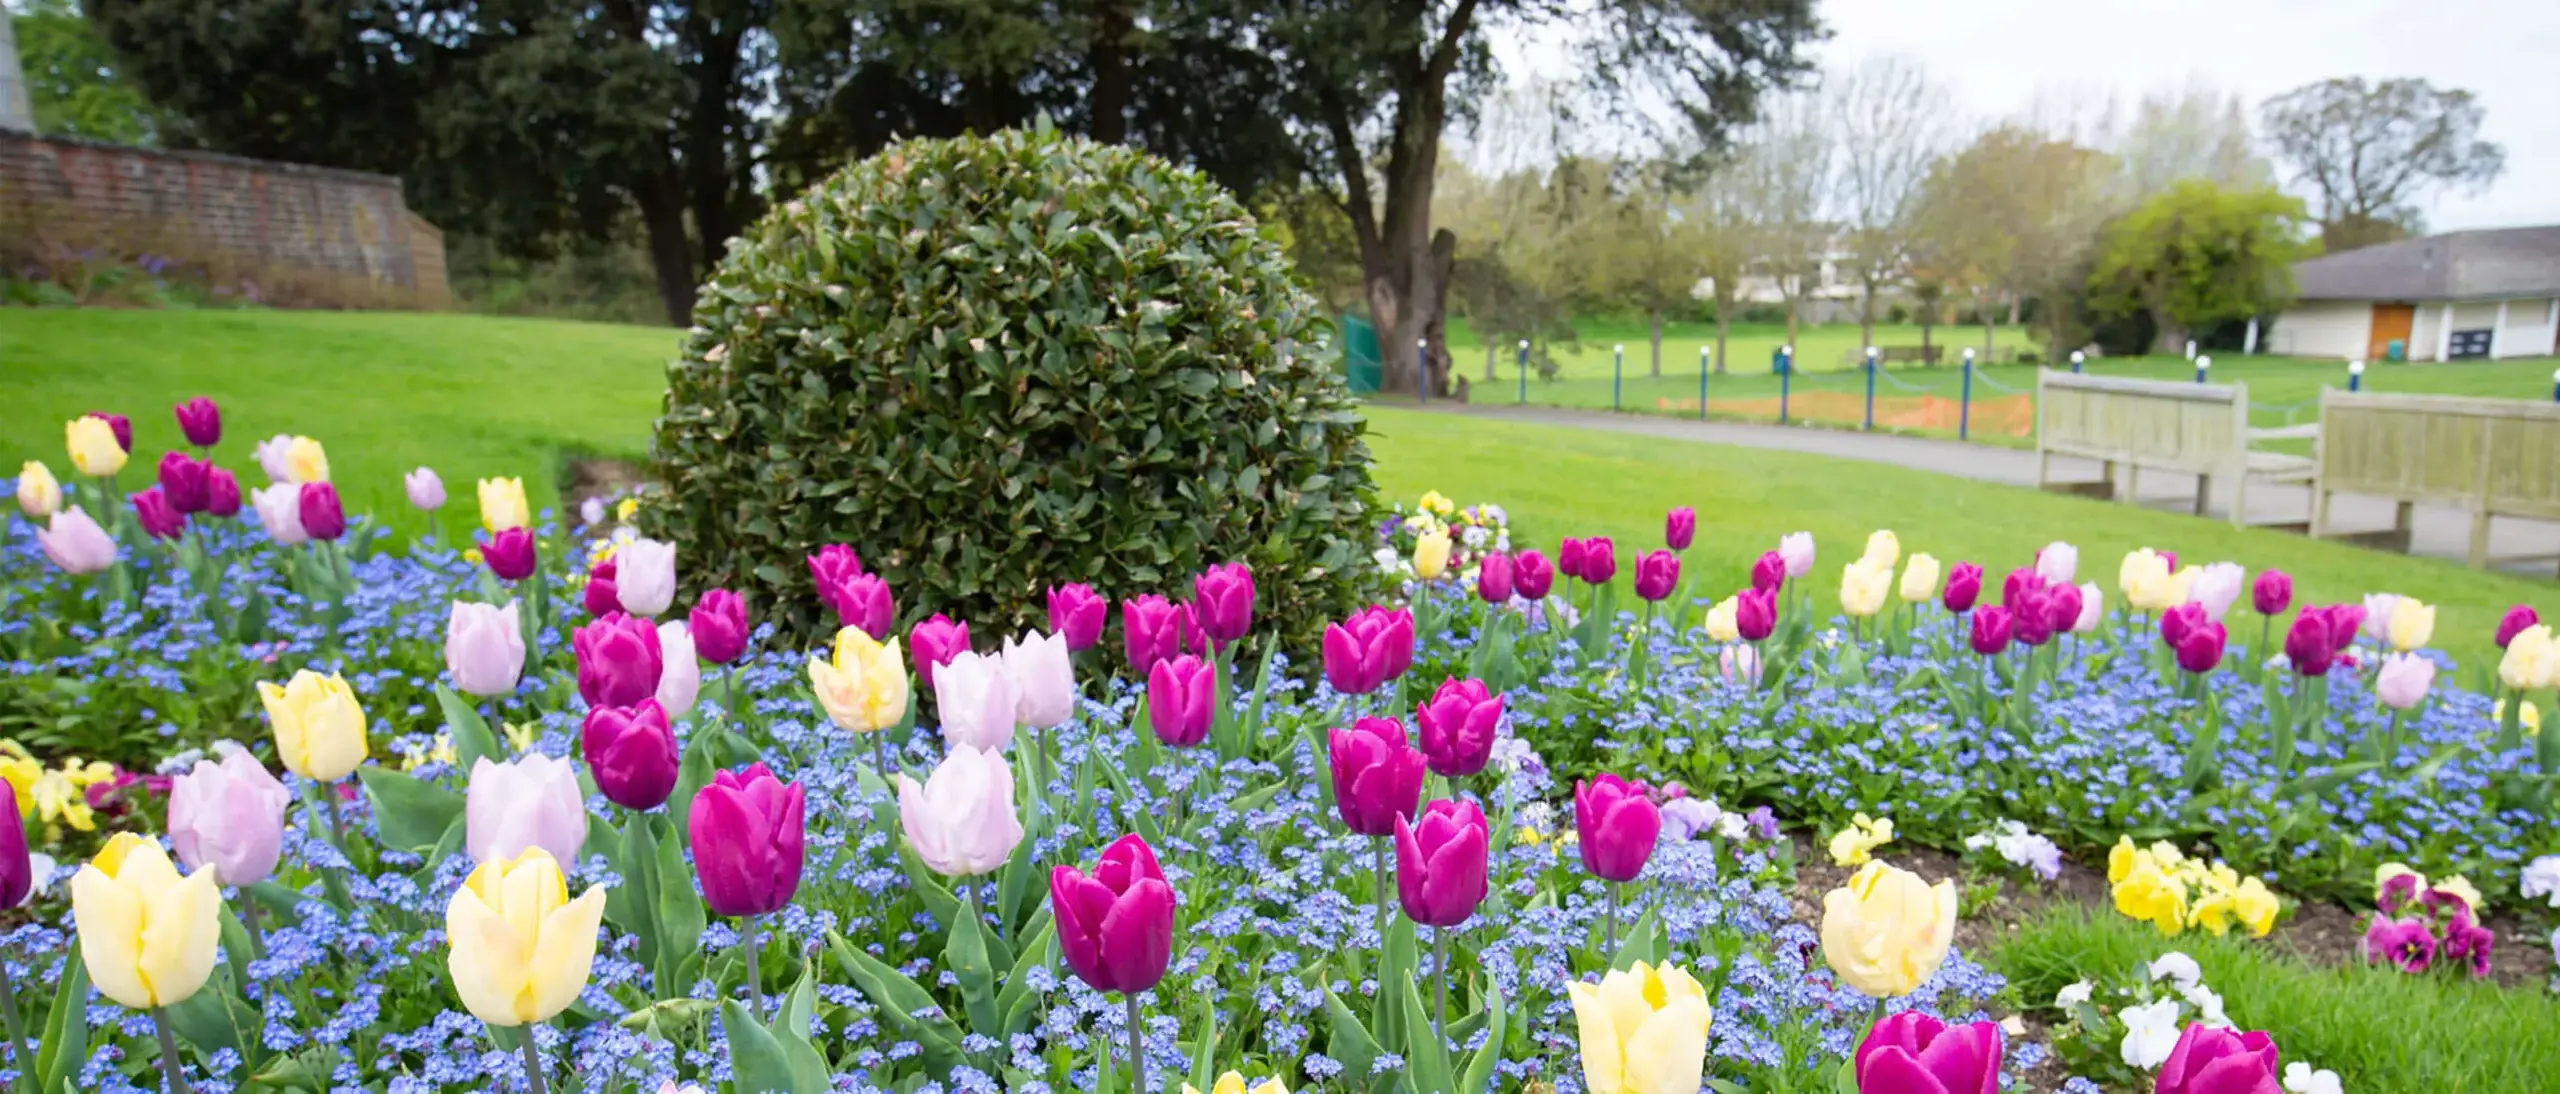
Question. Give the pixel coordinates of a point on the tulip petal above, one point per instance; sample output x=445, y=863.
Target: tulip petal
x=110, y=918
x=1668, y=1053
x=565, y=954
x=1892, y=1070
x=1603, y=1061
x=485, y=957
x=183, y=926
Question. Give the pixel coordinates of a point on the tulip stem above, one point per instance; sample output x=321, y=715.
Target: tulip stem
x=532, y=1058
x=1137, y=1046
x=249, y=919
x=1613, y=921
x=1378, y=869
x=337, y=820
x=1440, y=983
x=17, y=1029
x=168, y=1051
x=880, y=749
x=755, y=979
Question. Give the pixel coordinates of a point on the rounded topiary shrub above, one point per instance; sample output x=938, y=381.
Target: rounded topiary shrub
x=995, y=364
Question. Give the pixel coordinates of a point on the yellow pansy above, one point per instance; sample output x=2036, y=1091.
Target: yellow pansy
x=2148, y=893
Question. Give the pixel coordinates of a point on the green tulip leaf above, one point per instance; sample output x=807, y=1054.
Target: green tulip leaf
x=1204, y=1050
x=1042, y=952
x=412, y=814
x=900, y=1001
x=467, y=730
x=1426, y=1056
x=1395, y=964
x=64, y=1044
x=964, y=954
x=1478, y=1077
x=1014, y=887
x=938, y=901
x=1844, y=1080
x=1642, y=943
x=757, y=1059
x=691, y=776
x=633, y=905
x=679, y=912
x=1351, y=1045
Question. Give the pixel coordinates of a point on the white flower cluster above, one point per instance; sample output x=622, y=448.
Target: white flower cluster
x=2021, y=848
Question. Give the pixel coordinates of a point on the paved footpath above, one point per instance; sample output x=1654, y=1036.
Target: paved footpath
x=2524, y=547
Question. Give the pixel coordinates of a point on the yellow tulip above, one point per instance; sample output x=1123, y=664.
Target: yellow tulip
x=520, y=948
x=864, y=689
x=502, y=505
x=1233, y=1083
x=1887, y=930
x=1862, y=587
x=305, y=461
x=1643, y=1030
x=2145, y=581
x=39, y=495
x=2412, y=624
x=1884, y=549
x=1431, y=554
x=92, y=444
x=146, y=934
x=319, y=726
x=1723, y=620
x=1920, y=579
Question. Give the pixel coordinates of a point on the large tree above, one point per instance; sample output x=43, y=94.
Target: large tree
x=1376, y=83
x=71, y=79
x=2368, y=152
x=2011, y=215
x=2198, y=254
x=1889, y=118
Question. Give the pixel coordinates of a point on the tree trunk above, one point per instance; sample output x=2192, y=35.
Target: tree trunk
x=706, y=147
x=1928, y=320
x=1867, y=314
x=1990, y=322
x=1491, y=349
x=1791, y=327
x=1110, y=58
x=1657, y=343
x=660, y=195
x=1724, y=320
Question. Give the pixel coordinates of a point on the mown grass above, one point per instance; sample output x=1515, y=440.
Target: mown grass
x=2378, y=1029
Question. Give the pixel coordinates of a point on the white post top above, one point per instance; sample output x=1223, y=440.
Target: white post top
x=1871, y=351
x=2204, y=362
x=1968, y=353
x=1622, y=347
x=1789, y=349
x=1422, y=343
x=2355, y=368
x=1524, y=343
x=2077, y=357
x=2191, y=349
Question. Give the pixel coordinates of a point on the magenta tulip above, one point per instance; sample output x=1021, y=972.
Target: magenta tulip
x=2061, y=605
x=830, y=569
x=718, y=623
x=2272, y=593
x=1076, y=613
x=2169, y=559
x=119, y=425
x=183, y=482
x=17, y=871
x=2213, y=1060
x=1964, y=586
x=1679, y=528
x=601, y=598
x=1377, y=775
x=1532, y=575
x=2200, y=648
x=1618, y=826
x=1181, y=693
x=1365, y=651
x=221, y=492
x=2518, y=620
x=1657, y=574
x=1440, y=863
x=866, y=604
x=2029, y=623
x=1150, y=631
x=2020, y=584
x=1570, y=556
x=1494, y=578
x=200, y=420
x=2177, y=621
x=1913, y=1053
x=1222, y=599
x=747, y=828
x=1990, y=633
x=934, y=642
x=1769, y=572
x=511, y=555
x=2307, y=644
x=1599, y=560
x=322, y=519
x=1115, y=926
x=1458, y=727
x=1755, y=614
x=2345, y=620
x=619, y=660
x=631, y=751
x=159, y=518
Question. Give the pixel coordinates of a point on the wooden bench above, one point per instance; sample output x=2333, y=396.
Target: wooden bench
x=2489, y=457
x=2160, y=425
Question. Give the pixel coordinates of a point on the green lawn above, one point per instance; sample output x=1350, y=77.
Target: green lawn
x=478, y=396
x=2378, y=1029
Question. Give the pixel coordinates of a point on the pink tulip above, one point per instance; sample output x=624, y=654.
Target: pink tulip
x=830, y=570
x=619, y=660
x=1599, y=560
x=960, y=821
x=1990, y=633
x=1222, y=600
x=1618, y=827
x=2216, y=588
x=1458, y=727
x=747, y=829
x=718, y=624
x=183, y=482
x=2212, y=1060
x=17, y=870
x=1365, y=651
x=1180, y=697
x=158, y=517
x=1532, y=575
x=1755, y=614
x=1115, y=926
x=934, y=642
x=484, y=648
x=2058, y=563
x=975, y=696
x=1769, y=572
x=600, y=599
x=2200, y=649
x=511, y=556
x=2403, y=680
x=1657, y=574
x=1913, y=1053
x=632, y=753
x=2272, y=593
x=221, y=493
x=425, y=489
x=866, y=603
x=1679, y=528
x=75, y=542
x=1377, y=775
x=530, y=801
x=1797, y=549
x=1151, y=631
x=228, y=815
x=1077, y=613
x=1044, y=679
x=1440, y=863
x=200, y=420
x=1570, y=556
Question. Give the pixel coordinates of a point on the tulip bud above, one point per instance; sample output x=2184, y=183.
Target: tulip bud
x=619, y=660
x=279, y=508
x=2213, y=1060
x=511, y=555
x=1360, y=651
x=1493, y=578
x=1797, y=549
x=1599, y=560
x=1884, y=549
x=1642, y=1030
x=39, y=493
x=644, y=579
x=2413, y=624
x=975, y=696
x=229, y=815
x=1769, y=572
x=1181, y=694
x=863, y=687
x=961, y=822
x=2532, y=659
x=1618, y=827
x=147, y=935
x=1886, y=931
x=75, y=543
x=2216, y=588
x=1990, y=633
x=2030, y=622
x=1679, y=527
x=484, y=648
x=831, y=567
x=935, y=642
x=306, y=462
x=322, y=519
x=1431, y=554
x=2200, y=649
x=319, y=727
x=1458, y=726
x=530, y=801
x=632, y=753
x=200, y=420
x=1570, y=556
x=2061, y=604
x=1151, y=631
x=2058, y=563
x=2344, y=621
x=1077, y=613
x=221, y=493
x=1755, y=614
x=680, y=681
x=2272, y=593
x=158, y=518
x=1964, y=586
x=271, y=458
x=1863, y=585
x=1377, y=775
x=1657, y=574
x=1532, y=575
x=1115, y=926
x=1440, y=863
x=2518, y=619
x=521, y=949
x=866, y=602
x=2307, y=645
x=94, y=447
x=747, y=829
x=503, y=505
x=1914, y=1052
x=1044, y=679
x=2403, y=680
x=1222, y=598
x=1920, y=579
x=718, y=625
x=183, y=482
x=600, y=598
x=425, y=489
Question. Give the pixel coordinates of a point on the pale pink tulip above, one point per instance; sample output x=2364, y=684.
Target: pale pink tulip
x=229, y=815
x=1044, y=679
x=531, y=801
x=76, y=543
x=484, y=648
x=975, y=695
x=961, y=821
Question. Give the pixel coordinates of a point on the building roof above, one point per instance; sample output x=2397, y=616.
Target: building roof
x=2500, y=262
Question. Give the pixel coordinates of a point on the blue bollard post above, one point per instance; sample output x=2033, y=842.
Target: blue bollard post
x=1618, y=379
x=1786, y=379
x=1422, y=370
x=2203, y=365
x=2077, y=358
x=2355, y=375
x=1524, y=372
x=1705, y=358
x=1964, y=409
x=1871, y=389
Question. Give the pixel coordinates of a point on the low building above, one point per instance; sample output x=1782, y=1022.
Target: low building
x=2451, y=297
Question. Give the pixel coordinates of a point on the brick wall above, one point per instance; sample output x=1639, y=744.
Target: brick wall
x=258, y=213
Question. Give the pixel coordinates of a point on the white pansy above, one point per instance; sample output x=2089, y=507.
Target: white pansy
x=2178, y=967
x=2150, y=1033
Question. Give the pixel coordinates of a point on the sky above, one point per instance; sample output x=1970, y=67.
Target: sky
x=1997, y=56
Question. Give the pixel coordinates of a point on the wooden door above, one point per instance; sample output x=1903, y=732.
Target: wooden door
x=2391, y=322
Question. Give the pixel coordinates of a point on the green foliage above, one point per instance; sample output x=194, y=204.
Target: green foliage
x=72, y=80
x=992, y=365
x=2199, y=254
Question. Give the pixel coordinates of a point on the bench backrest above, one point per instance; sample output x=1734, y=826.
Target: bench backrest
x=2499, y=454
x=2200, y=428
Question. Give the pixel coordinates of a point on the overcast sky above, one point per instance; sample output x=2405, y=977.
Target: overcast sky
x=1996, y=55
